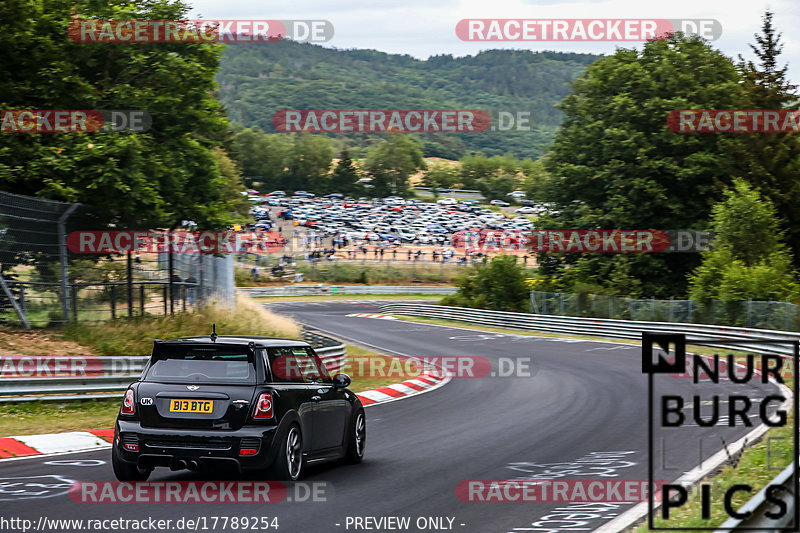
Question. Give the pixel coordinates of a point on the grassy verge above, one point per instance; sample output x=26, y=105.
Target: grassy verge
x=372, y=272
x=491, y=329
x=751, y=470
x=30, y=418
x=534, y=333
x=134, y=336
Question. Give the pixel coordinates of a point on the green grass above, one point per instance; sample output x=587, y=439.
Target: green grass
x=371, y=272
x=30, y=418
x=751, y=470
x=377, y=273
x=265, y=299
x=533, y=333
x=134, y=336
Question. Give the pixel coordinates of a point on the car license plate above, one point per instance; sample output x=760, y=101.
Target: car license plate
x=191, y=406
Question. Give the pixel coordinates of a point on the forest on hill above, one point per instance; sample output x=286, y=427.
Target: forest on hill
x=256, y=80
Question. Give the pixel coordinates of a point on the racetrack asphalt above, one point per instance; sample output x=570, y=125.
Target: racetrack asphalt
x=582, y=414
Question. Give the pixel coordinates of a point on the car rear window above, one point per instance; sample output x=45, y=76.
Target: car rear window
x=296, y=365
x=206, y=364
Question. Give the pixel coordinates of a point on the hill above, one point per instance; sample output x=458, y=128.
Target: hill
x=256, y=80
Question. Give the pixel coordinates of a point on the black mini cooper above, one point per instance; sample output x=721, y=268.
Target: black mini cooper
x=247, y=403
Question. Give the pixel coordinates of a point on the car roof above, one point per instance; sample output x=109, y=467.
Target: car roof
x=260, y=342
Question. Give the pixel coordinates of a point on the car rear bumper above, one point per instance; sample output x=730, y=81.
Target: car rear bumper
x=177, y=448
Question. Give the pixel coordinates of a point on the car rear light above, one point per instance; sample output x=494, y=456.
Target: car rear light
x=248, y=451
x=130, y=442
x=263, y=406
x=128, y=403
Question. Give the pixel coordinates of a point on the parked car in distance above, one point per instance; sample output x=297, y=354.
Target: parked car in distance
x=244, y=403
x=526, y=211
x=500, y=203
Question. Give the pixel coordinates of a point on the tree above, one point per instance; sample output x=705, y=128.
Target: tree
x=345, y=175
x=232, y=190
x=499, y=285
x=615, y=164
x=134, y=180
x=536, y=181
x=494, y=176
x=770, y=160
x=498, y=187
x=310, y=159
x=440, y=176
x=392, y=162
x=263, y=158
x=748, y=260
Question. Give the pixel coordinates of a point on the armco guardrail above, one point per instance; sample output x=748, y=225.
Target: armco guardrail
x=328, y=290
x=758, y=506
x=601, y=327
x=106, y=377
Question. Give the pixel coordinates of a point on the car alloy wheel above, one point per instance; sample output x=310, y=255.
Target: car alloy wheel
x=294, y=457
x=360, y=434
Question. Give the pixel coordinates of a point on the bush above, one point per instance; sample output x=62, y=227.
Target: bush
x=499, y=285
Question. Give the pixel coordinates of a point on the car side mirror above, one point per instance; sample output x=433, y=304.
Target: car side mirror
x=341, y=381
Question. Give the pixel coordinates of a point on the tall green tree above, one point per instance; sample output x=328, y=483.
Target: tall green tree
x=616, y=165
x=263, y=158
x=151, y=179
x=310, y=159
x=392, y=162
x=345, y=176
x=749, y=259
x=770, y=160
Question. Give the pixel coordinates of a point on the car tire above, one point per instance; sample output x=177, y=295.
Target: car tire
x=356, y=439
x=125, y=471
x=288, y=464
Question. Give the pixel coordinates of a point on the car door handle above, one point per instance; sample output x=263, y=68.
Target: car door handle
x=316, y=398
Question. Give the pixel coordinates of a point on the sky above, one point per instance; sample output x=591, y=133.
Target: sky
x=422, y=28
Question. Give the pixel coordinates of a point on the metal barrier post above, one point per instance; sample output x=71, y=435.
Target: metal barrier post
x=62, y=257
x=74, y=302
x=113, y=303
x=130, y=284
